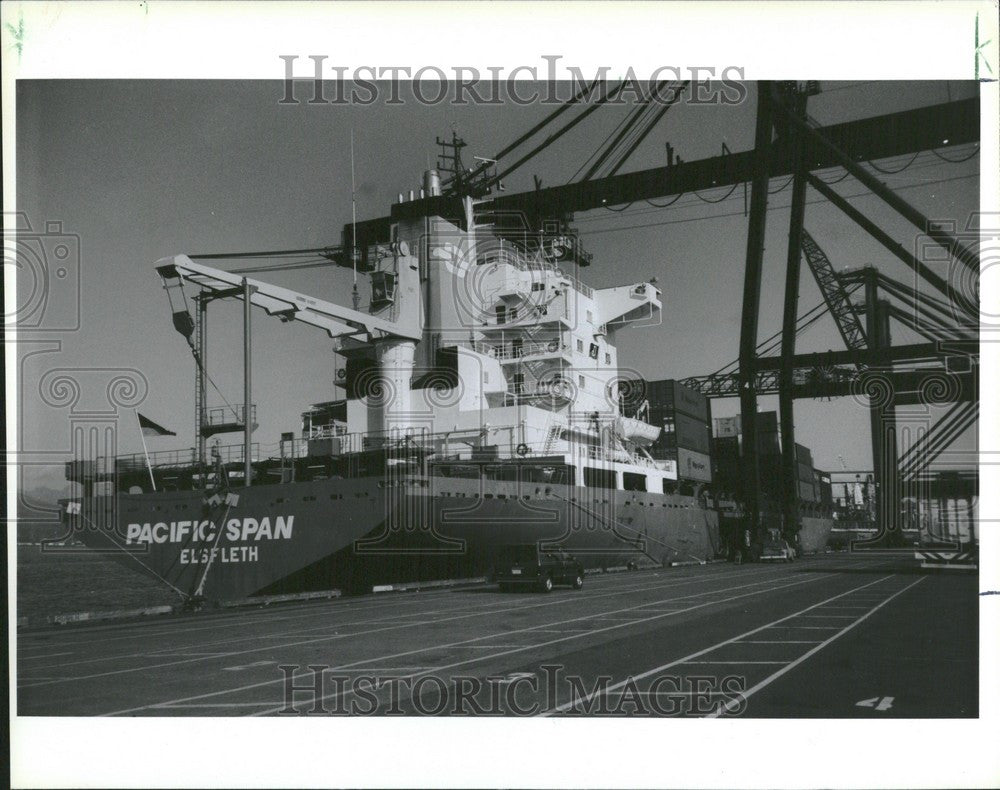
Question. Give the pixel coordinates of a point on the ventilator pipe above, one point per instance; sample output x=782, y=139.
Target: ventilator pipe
x=432, y=183
x=396, y=361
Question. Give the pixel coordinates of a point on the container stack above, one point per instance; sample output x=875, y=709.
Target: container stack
x=824, y=487
x=767, y=432
x=727, y=448
x=806, y=475
x=682, y=413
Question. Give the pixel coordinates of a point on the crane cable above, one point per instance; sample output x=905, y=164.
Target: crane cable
x=630, y=117
x=613, y=93
x=585, y=91
x=190, y=342
x=625, y=136
x=675, y=97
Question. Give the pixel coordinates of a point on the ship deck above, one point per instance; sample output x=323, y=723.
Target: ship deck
x=887, y=639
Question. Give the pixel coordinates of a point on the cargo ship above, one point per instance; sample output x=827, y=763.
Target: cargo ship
x=481, y=407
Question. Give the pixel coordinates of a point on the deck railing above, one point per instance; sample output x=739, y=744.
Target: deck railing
x=227, y=415
x=512, y=258
x=509, y=351
x=326, y=431
x=231, y=453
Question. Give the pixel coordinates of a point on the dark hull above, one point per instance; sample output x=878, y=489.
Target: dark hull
x=354, y=533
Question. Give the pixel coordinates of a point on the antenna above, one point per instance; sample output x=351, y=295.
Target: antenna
x=354, y=230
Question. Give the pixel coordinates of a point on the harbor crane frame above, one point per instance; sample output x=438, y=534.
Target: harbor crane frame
x=787, y=142
x=784, y=108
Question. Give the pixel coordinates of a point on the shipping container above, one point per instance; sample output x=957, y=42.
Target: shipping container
x=768, y=444
x=824, y=488
x=803, y=456
x=670, y=395
x=806, y=474
x=726, y=447
x=767, y=422
x=691, y=402
x=726, y=471
x=727, y=427
x=729, y=474
x=680, y=430
x=826, y=495
x=694, y=466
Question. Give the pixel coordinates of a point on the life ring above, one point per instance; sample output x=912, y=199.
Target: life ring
x=521, y=449
x=553, y=345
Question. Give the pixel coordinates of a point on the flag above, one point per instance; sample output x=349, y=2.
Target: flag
x=150, y=428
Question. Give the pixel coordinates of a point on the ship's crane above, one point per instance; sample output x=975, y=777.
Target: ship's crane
x=394, y=333
x=288, y=305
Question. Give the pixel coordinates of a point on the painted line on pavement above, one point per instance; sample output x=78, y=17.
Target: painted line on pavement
x=464, y=643
x=704, y=651
x=771, y=678
x=416, y=623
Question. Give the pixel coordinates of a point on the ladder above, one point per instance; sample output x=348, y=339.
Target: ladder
x=554, y=432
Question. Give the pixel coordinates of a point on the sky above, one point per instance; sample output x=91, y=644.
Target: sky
x=139, y=170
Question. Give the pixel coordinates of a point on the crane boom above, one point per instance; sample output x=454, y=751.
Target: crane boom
x=837, y=299
x=288, y=305
x=864, y=139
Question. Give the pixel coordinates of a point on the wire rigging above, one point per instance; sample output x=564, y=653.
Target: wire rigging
x=866, y=193
x=620, y=132
x=584, y=92
x=944, y=158
x=724, y=197
x=830, y=182
x=607, y=97
x=650, y=124
x=766, y=345
x=888, y=172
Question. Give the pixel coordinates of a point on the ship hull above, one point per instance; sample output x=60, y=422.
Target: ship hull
x=354, y=533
